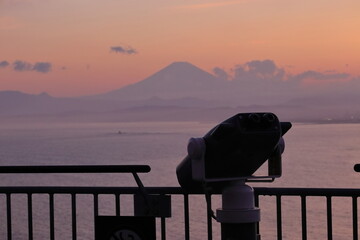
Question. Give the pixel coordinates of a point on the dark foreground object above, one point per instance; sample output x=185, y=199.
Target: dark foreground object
x=244, y=231
x=125, y=227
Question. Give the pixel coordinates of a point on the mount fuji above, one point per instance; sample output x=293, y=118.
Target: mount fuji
x=179, y=80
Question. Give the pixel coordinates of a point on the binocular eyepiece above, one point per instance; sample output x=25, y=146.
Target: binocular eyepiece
x=234, y=150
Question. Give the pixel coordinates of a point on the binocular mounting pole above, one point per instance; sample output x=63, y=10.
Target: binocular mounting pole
x=238, y=216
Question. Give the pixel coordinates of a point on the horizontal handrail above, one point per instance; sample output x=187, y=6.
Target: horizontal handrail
x=77, y=169
x=318, y=192
x=92, y=190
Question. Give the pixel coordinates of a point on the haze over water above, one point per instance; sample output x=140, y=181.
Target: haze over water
x=316, y=155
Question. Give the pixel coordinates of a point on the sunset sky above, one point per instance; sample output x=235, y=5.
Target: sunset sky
x=84, y=47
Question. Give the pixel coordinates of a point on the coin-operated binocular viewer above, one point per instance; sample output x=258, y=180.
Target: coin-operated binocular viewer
x=227, y=157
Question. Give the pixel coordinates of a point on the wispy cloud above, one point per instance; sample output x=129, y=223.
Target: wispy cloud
x=328, y=75
x=43, y=67
x=22, y=66
x=313, y=78
x=123, y=50
x=210, y=4
x=4, y=64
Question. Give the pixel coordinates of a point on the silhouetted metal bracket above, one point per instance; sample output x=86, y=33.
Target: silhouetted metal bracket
x=150, y=205
x=159, y=205
x=246, y=179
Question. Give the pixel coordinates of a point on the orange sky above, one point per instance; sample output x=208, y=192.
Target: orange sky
x=75, y=37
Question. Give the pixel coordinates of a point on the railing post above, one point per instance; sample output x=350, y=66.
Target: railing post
x=30, y=216
x=8, y=213
x=73, y=216
x=186, y=217
x=355, y=217
x=96, y=208
x=279, y=217
x=163, y=228
x=209, y=219
x=329, y=217
x=52, y=217
x=117, y=204
x=303, y=217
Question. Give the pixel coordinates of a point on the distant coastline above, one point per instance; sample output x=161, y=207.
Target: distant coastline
x=158, y=115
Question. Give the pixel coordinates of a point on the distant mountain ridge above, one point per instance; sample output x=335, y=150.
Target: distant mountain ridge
x=15, y=102
x=182, y=91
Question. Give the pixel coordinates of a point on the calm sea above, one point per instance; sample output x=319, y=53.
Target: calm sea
x=316, y=155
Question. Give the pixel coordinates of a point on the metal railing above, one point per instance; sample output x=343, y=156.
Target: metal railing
x=9, y=193
x=303, y=194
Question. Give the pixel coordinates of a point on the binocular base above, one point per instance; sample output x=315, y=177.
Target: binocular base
x=238, y=215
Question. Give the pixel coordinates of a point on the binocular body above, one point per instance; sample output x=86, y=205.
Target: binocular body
x=234, y=149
